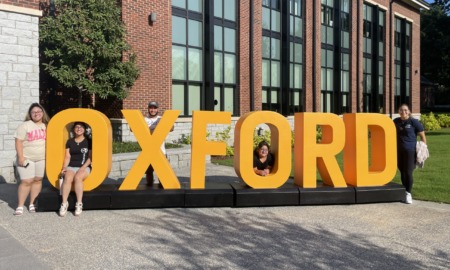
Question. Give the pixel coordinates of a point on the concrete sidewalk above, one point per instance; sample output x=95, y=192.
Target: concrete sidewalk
x=375, y=236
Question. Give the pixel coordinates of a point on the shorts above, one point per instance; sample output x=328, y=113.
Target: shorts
x=75, y=169
x=34, y=169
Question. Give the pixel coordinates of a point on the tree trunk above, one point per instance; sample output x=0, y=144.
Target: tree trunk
x=80, y=97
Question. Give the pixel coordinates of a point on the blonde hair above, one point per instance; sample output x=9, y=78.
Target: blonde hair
x=45, y=117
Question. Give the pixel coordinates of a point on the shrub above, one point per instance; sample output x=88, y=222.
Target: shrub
x=185, y=139
x=224, y=136
x=444, y=120
x=259, y=138
x=429, y=122
x=318, y=134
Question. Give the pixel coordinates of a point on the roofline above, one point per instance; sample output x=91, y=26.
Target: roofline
x=422, y=4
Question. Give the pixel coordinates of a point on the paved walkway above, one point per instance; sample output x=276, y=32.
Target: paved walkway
x=371, y=236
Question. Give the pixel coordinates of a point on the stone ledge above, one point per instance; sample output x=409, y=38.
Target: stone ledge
x=178, y=158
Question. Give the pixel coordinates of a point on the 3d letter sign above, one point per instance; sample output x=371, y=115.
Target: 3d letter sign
x=350, y=135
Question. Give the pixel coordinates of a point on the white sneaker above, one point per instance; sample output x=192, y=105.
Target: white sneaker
x=63, y=209
x=408, y=198
x=78, y=209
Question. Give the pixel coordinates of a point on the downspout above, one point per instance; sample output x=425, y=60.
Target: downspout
x=390, y=57
x=358, y=41
x=314, y=58
x=251, y=66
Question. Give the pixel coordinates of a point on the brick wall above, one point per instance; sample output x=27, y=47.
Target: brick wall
x=32, y=4
x=153, y=45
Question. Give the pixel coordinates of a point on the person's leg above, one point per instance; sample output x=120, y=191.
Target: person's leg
x=23, y=191
x=36, y=187
x=402, y=166
x=67, y=185
x=149, y=175
x=78, y=184
x=410, y=165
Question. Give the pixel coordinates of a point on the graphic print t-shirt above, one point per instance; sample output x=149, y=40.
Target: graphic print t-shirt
x=33, y=136
x=151, y=123
x=79, y=152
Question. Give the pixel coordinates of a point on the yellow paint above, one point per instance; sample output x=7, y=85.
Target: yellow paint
x=383, y=156
x=309, y=154
x=57, y=135
x=280, y=147
x=201, y=147
x=151, y=150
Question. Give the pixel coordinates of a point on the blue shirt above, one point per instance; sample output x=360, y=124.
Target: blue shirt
x=407, y=131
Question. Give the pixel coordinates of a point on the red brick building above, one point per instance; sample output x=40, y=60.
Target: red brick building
x=288, y=56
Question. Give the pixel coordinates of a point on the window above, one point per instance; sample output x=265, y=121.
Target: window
x=195, y=85
x=373, y=59
x=335, y=56
x=225, y=58
x=296, y=95
x=402, y=62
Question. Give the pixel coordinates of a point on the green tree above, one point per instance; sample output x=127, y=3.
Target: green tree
x=84, y=47
x=435, y=44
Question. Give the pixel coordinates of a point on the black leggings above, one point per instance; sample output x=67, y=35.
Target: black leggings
x=406, y=163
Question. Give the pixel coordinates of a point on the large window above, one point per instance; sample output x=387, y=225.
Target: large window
x=224, y=55
x=197, y=83
x=335, y=56
x=282, y=69
x=373, y=58
x=296, y=57
x=402, y=62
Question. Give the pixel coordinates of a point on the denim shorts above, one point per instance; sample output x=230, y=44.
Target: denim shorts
x=75, y=169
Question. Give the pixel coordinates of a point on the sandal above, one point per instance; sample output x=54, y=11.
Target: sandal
x=19, y=211
x=31, y=208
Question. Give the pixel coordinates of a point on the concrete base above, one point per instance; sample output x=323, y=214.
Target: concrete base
x=245, y=196
x=107, y=196
x=327, y=195
x=388, y=193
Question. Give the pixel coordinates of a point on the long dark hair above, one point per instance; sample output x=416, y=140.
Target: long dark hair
x=45, y=117
x=260, y=145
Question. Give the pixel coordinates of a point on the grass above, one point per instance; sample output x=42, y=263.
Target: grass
x=432, y=183
x=126, y=147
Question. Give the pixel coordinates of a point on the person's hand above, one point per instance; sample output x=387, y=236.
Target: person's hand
x=267, y=171
x=21, y=161
x=63, y=170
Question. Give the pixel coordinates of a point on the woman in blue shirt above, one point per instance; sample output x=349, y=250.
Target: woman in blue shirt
x=408, y=129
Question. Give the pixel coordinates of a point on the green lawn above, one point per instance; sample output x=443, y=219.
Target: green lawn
x=432, y=183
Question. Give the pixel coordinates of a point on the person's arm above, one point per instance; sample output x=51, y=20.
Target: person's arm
x=66, y=160
x=19, y=150
x=422, y=137
x=260, y=172
x=270, y=163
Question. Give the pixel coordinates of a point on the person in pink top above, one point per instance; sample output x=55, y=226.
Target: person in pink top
x=30, y=138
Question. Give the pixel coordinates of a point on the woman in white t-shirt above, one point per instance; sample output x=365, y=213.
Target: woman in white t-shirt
x=30, y=147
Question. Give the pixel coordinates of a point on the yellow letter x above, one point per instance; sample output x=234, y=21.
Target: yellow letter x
x=151, y=150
